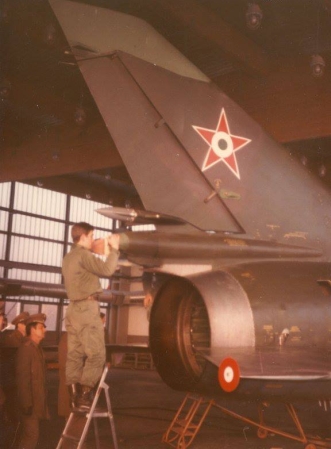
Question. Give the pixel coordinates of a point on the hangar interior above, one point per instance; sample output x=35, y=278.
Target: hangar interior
x=58, y=162
x=55, y=147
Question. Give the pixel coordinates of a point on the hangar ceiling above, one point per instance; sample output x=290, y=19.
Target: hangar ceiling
x=49, y=119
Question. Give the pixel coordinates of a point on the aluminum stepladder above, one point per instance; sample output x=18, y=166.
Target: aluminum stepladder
x=90, y=416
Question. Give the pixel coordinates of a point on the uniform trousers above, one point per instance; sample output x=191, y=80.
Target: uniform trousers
x=30, y=432
x=86, y=343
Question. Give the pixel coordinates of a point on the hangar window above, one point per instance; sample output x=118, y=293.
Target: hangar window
x=34, y=275
x=85, y=210
x=12, y=309
x=3, y=240
x=34, y=236
x=4, y=221
x=35, y=251
x=31, y=308
x=36, y=200
x=51, y=311
x=5, y=194
x=38, y=227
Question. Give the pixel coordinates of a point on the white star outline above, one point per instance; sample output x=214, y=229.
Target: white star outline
x=232, y=143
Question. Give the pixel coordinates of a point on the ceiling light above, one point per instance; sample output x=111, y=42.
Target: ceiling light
x=50, y=34
x=5, y=88
x=4, y=13
x=254, y=16
x=304, y=160
x=80, y=116
x=322, y=171
x=317, y=65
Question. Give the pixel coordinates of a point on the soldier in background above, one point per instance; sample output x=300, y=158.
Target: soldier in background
x=2, y=394
x=2, y=320
x=11, y=342
x=5, y=322
x=31, y=381
x=15, y=339
x=4, y=325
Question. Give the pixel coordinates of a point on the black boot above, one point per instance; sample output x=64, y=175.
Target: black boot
x=85, y=398
x=73, y=393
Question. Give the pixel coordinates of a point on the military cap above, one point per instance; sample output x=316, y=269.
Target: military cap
x=36, y=318
x=21, y=318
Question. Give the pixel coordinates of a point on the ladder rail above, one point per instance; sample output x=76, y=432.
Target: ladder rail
x=111, y=418
x=96, y=433
x=66, y=427
x=90, y=416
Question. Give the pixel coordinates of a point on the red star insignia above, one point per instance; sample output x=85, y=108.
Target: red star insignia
x=222, y=145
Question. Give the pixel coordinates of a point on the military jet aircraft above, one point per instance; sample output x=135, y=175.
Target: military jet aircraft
x=239, y=262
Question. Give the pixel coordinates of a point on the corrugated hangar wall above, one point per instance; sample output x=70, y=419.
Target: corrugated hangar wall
x=34, y=236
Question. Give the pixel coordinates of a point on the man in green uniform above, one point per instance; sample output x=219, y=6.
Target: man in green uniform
x=86, y=345
x=31, y=381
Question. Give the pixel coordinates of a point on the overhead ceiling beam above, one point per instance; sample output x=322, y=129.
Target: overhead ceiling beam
x=46, y=141
x=290, y=104
x=65, y=150
x=327, y=4
x=206, y=24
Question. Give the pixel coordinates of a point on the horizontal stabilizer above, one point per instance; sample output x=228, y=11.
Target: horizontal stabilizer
x=274, y=363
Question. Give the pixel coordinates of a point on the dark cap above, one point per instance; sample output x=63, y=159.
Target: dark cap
x=36, y=318
x=21, y=318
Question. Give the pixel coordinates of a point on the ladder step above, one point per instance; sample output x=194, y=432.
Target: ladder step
x=100, y=415
x=97, y=412
x=183, y=423
x=70, y=437
x=180, y=431
x=77, y=411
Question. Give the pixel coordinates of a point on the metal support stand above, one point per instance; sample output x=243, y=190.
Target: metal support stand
x=263, y=430
x=187, y=421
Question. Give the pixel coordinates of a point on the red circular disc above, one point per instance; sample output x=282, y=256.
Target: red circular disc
x=229, y=374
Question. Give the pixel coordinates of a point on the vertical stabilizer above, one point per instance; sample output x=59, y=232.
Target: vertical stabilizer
x=190, y=150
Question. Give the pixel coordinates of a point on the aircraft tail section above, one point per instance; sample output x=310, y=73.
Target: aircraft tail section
x=162, y=170
x=194, y=154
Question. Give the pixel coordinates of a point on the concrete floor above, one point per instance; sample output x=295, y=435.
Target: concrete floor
x=144, y=407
